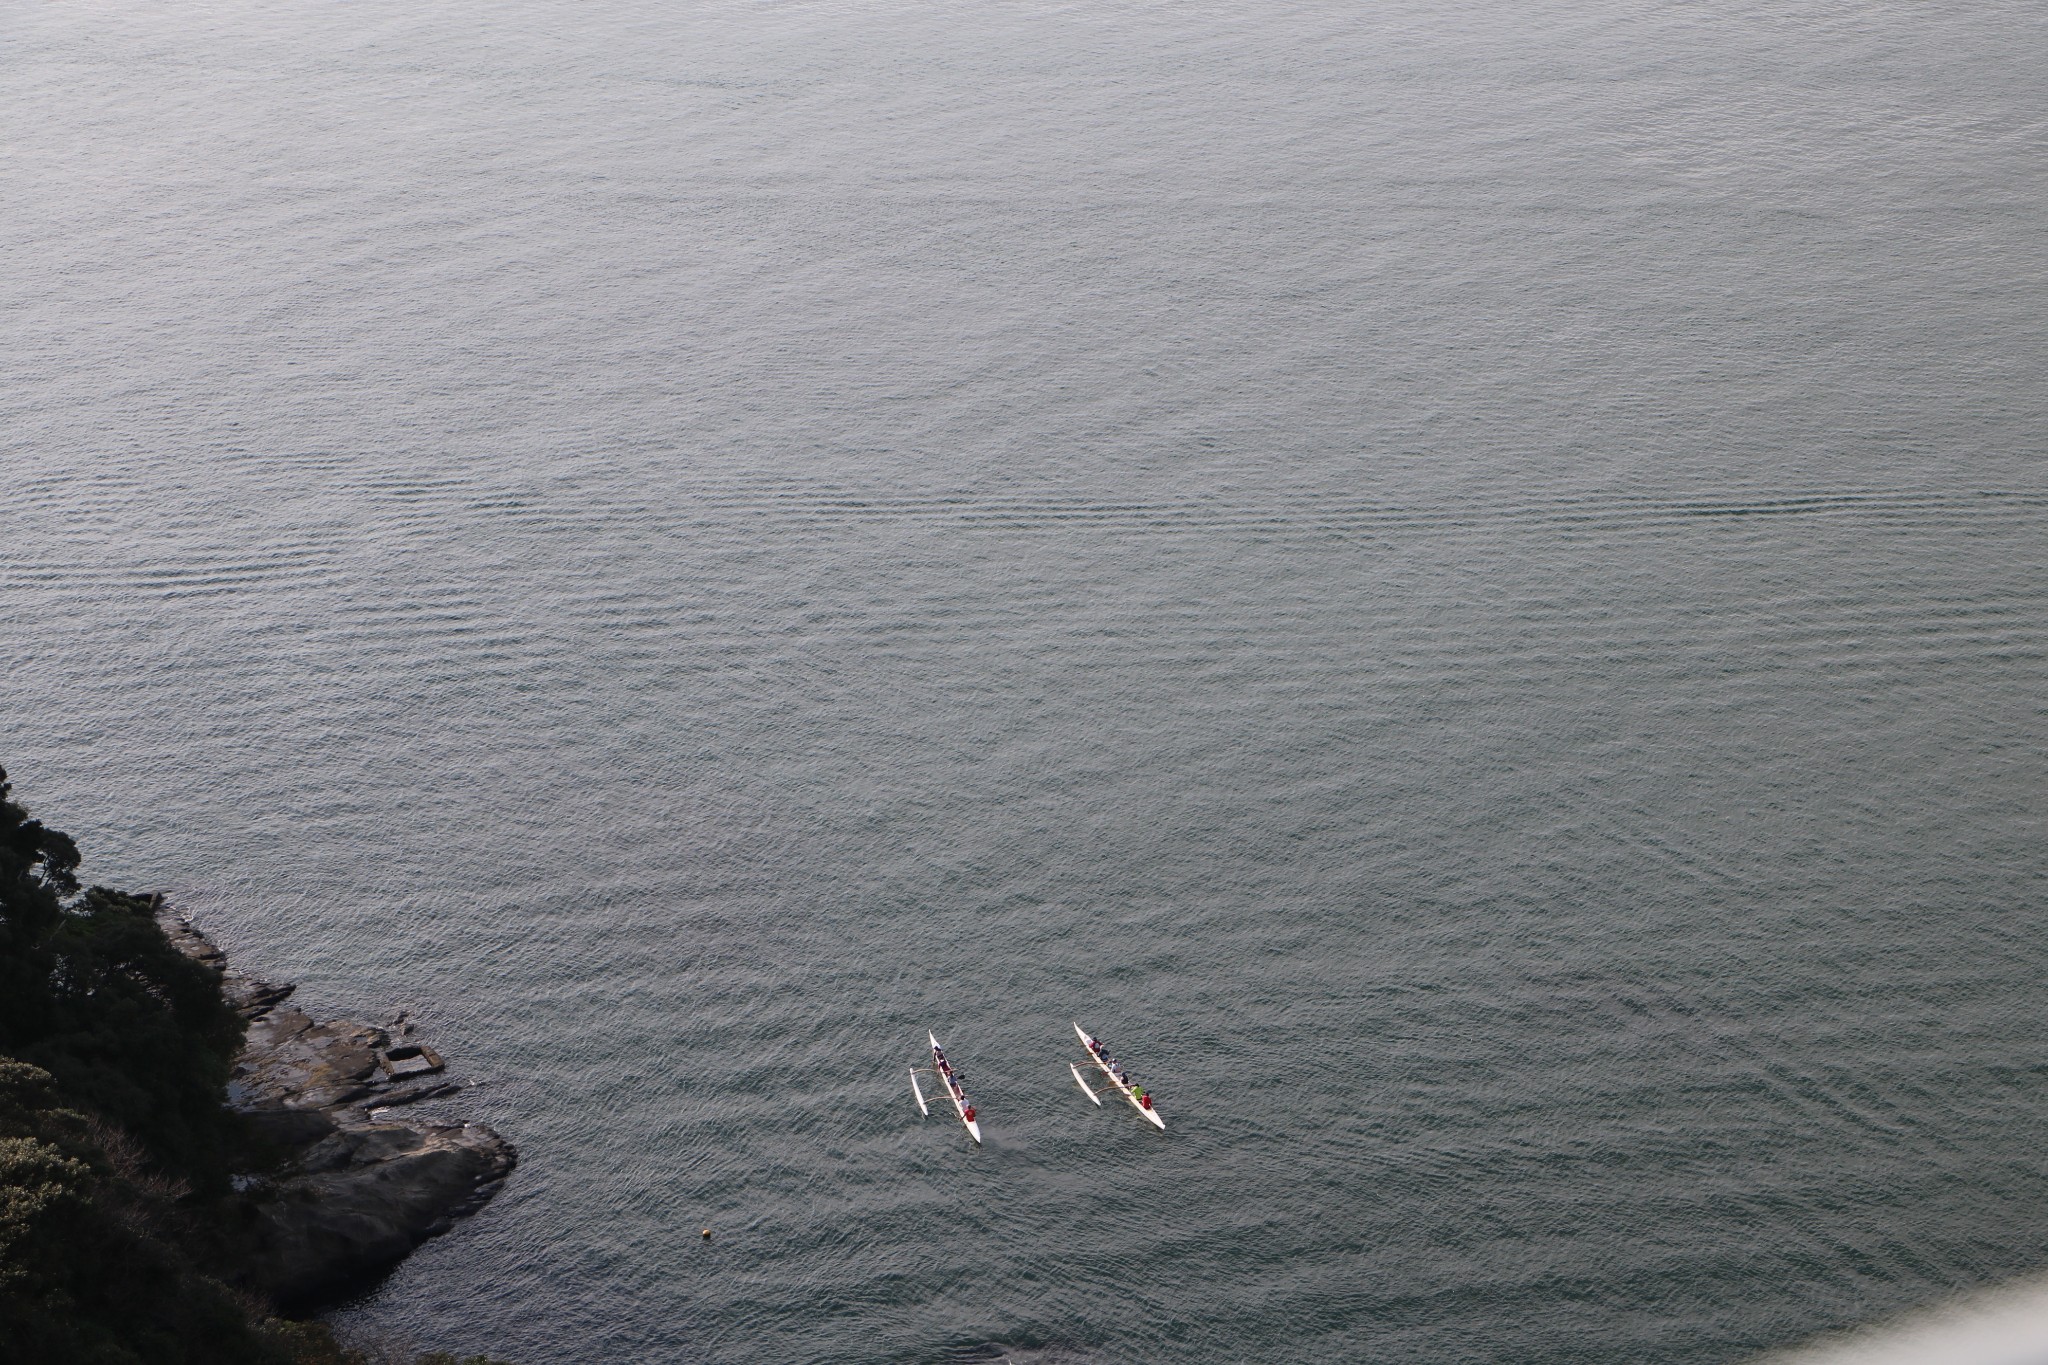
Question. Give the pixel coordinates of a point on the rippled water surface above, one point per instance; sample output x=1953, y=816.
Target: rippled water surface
x=1465, y=583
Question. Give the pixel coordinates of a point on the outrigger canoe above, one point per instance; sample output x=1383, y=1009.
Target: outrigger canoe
x=943, y=1071
x=1106, y=1064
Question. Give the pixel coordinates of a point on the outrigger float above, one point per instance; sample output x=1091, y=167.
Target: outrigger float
x=942, y=1070
x=1105, y=1064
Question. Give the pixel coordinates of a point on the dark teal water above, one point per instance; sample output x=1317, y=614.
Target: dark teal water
x=1465, y=587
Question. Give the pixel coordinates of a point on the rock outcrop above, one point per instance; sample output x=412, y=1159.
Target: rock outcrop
x=351, y=1190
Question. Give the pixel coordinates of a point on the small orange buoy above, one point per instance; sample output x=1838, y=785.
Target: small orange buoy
x=707, y=1234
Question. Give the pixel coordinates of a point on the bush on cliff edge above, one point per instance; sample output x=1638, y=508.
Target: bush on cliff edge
x=90, y=990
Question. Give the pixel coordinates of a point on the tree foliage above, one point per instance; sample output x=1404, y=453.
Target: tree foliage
x=89, y=1274
x=91, y=991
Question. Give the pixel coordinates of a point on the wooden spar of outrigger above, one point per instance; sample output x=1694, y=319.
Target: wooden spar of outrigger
x=1102, y=1062
x=942, y=1071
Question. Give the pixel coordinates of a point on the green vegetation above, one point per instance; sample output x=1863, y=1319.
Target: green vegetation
x=116, y=1144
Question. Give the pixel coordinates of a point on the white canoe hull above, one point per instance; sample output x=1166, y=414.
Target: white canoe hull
x=1150, y=1116
x=973, y=1126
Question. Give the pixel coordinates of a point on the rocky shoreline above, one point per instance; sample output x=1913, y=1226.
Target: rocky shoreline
x=345, y=1190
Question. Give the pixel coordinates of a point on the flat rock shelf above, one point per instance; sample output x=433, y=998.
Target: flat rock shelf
x=352, y=1190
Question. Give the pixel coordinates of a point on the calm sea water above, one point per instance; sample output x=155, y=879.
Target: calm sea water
x=1465, y=583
